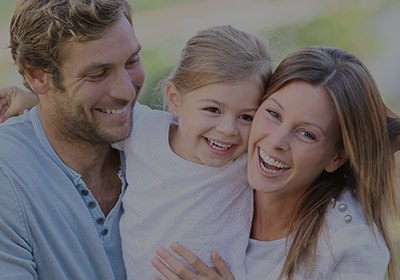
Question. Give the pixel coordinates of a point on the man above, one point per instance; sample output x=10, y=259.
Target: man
x=60, y=181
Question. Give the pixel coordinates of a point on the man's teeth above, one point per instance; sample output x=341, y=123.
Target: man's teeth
x=113, y=111
x=270, y=161
x=218, y=146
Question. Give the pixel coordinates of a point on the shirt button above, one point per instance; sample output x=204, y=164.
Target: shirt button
x=91, y=204
x=342, y=207
x=104, y=232
x=100, y=221
x=347, y=219
x=85, y=192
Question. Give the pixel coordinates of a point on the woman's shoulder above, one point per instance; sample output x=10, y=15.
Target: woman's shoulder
x=346, y=230
x=348, y=245
x=344, y=212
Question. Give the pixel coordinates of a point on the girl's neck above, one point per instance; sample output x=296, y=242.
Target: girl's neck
x=273, y=216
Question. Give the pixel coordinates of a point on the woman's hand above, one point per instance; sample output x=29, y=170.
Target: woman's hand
x=14, y=100
x=173, y=269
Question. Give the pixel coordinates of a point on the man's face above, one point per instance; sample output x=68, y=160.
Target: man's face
x=102, y=79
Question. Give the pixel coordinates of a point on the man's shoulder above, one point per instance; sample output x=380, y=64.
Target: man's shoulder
x=16, y=136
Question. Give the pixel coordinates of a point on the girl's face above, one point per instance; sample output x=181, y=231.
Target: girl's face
x=293, y=139
x=213, y=121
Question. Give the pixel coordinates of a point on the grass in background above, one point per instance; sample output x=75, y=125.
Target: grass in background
x=345, y=29
x=147, y=5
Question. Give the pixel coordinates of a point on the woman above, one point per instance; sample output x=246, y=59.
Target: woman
x=321, y=163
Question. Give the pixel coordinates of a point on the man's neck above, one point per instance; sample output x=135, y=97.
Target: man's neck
x=98, y=165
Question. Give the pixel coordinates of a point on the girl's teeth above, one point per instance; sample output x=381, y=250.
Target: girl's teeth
x=217, y=145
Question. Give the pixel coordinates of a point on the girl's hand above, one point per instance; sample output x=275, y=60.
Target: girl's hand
x=173, y=269
x=14, y=100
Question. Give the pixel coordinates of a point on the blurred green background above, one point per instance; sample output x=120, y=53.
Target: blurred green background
x=367, y=28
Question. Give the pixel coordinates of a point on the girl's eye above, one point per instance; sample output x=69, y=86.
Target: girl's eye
x=212, y=109
x=246, y=117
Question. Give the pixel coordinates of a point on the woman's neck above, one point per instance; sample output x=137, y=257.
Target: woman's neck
x=273, y=216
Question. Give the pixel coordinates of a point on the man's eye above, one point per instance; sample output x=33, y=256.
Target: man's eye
x=131, y=62
x=97, y=75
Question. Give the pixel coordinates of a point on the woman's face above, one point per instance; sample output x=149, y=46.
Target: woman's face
x=293, y=138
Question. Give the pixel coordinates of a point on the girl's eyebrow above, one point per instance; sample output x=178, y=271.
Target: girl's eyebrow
x=218, y=103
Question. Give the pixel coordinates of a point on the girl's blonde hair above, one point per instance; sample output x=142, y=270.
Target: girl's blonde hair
x=220, y=55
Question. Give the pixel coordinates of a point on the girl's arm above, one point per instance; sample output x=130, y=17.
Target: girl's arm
x=14, y=100
x=173, y=269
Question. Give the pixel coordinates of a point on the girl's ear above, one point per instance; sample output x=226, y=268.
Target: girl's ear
x=38, y=80
x=173, y=99
x=340, y=158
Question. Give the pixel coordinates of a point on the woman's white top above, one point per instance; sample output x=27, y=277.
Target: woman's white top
x=347, y=249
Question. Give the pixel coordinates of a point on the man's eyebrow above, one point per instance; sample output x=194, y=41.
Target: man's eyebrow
x=99, y=65
x=94, y=65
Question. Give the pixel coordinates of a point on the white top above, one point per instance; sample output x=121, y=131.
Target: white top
x=348, y=250
x=171, y=199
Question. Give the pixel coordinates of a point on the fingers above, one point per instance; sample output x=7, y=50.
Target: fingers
x=221, y=266
x=8, y=91
x=7, y=94
x=175, y=266
x=192, y=259
x=173, y=269
x=163, y=269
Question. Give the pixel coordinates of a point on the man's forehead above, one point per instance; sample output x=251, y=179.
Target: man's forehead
x=118, y=42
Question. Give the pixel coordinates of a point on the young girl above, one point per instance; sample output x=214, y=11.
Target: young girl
x=321, y=163
x=186, y=169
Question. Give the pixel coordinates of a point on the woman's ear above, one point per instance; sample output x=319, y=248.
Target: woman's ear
x=173, y=99
x=339, y=159
x=38, y=80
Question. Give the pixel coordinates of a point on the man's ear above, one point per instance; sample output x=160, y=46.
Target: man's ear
x=173, y=99
x=38, y=80
x=339, y=159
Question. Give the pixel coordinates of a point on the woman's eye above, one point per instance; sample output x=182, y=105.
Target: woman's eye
x=246, y=117
x=272, y=113
x=308, y=135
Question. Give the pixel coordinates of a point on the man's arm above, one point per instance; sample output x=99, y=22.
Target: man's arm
x=16, y=259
